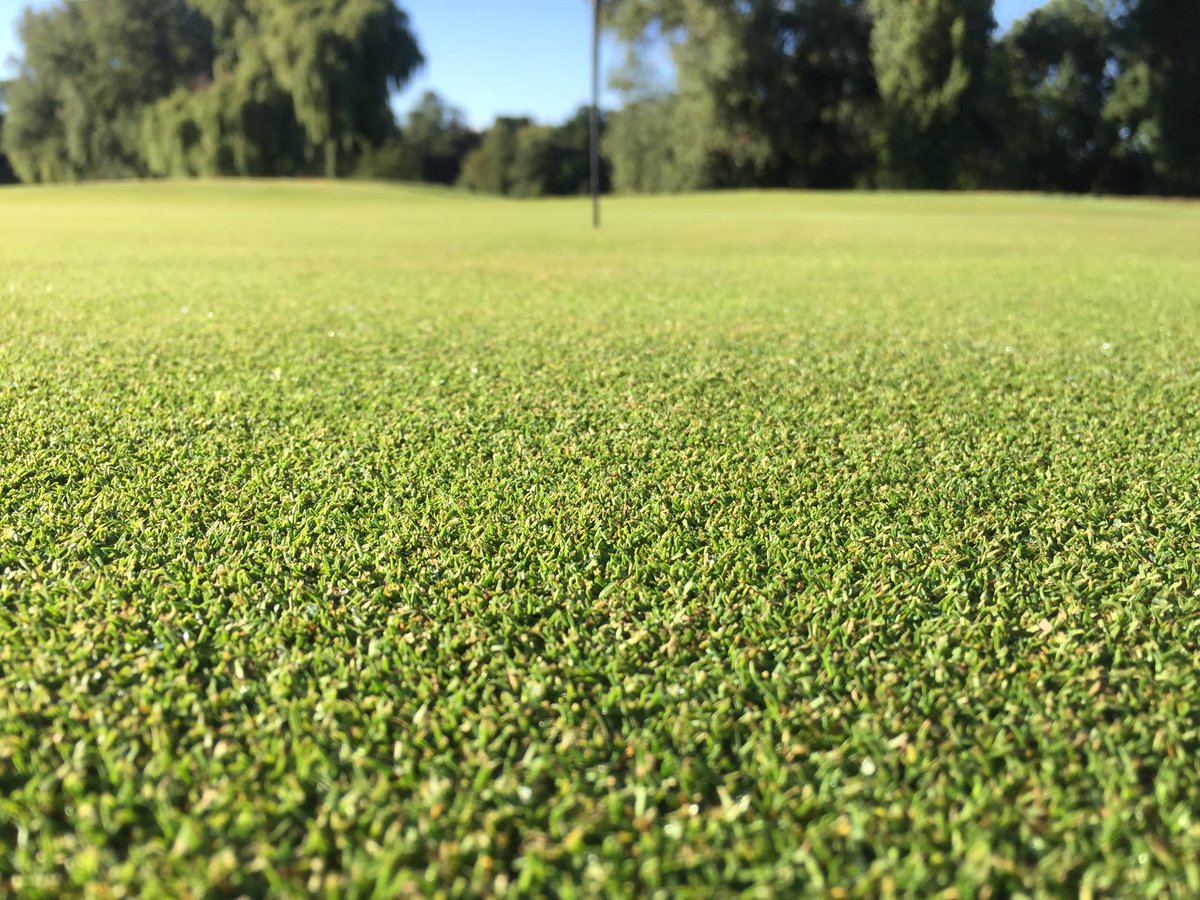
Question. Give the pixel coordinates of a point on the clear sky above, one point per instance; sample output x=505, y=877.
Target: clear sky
x=494, y=56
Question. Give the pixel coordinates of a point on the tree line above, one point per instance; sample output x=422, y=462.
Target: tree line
x=133, y=88
x=515, y=156
x=1080, y=95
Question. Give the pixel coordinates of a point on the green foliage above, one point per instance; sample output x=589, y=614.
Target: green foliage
x=770, y=93
x=641, y=143
x=394, y=160
x=88, y=71
x=522, y=159
x=556, y=161
x=489, y=167
x=116, y=88
x=358, y=541
x=240, y=123
x=1082, y=95
x=1162, y=43
x=933, y=64
x=1128, y=113
x=438, y=135
x=1060, y=61
x=715, y=147
x=7, y=175
x=652, y=141
x=338, y=61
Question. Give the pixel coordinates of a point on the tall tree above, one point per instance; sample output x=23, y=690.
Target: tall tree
x=1157, y=92
x=7, y=175
x=88, y=71
x=643, y=144
x=1060, y=65
x=774, y=92
x=489, y=167
x=440, y=138
x=339, y=61
x=113, y=88
x=554, y=160
x=654, y=144
x=936, y=81
x=238, y=122
x=807, y=77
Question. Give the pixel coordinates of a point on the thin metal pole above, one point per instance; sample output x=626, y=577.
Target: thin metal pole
x=595, y=113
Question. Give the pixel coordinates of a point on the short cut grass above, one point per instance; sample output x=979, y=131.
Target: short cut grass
x=374, y=541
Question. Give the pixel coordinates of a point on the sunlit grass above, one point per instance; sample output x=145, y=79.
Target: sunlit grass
x=367, y=539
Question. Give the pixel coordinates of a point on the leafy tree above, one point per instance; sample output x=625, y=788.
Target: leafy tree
x=647, y=137
x=523, y=159
x=234, y=120
x=936, y=82
x=1155, y=100
x=7, y=175
x=439, y=138
x=805, y=89
x=773, y=92
x=394, y=160
x=338, y=60
x=556, y=160
x=642, y=144
x=114, y=88
x=241, y=122
x=292, y=81
x=89, y=70
x=1060, y=64
x=713, y=147
x=489, y=167
x=1128, y=115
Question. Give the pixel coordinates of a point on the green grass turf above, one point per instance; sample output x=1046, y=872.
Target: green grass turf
x=370, y=540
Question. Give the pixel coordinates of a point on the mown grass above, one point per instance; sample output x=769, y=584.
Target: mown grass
x=371, y=541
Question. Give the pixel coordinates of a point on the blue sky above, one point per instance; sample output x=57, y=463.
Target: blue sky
x=494, y=56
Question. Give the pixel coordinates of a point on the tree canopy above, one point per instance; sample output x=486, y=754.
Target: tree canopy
x=933, y=64
x=1080, y=95
x=116, y=88
x=524, y=159
x=1057, y=63
x=768, y=93
x=7, y=175
x=1159, y=47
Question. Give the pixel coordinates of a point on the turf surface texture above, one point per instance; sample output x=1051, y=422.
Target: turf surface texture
x=376, y=541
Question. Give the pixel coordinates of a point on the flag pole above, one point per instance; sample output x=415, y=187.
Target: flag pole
x=595, y=113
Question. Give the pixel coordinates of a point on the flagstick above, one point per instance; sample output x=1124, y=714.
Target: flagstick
x=595, y=113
